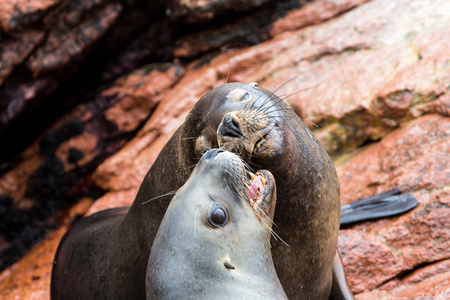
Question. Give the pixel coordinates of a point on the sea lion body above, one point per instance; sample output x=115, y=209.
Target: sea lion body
x=194, y=257
x=262, y=129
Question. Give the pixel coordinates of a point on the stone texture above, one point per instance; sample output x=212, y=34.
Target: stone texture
x=199, y=11
x=375, y=252
x=399, y=161
x=126, y=169
x=18, y=97
x=260, y=26
x=430, y=282
x=374, y=95
x=62, y=47
x=49, y=45
x=54, y=170
x=14, y=50
x=15, y=14
x=30, y=278
x=372, y=75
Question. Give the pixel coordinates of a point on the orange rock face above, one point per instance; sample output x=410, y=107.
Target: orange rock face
x=414, y=159
x=370, y=78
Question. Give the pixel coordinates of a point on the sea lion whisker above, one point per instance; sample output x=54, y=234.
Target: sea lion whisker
x=248, y=168
x=314, y=124
x=268, y=98
x=267, y=238
x=279, y=238
x=211, y=129
x=160, y=196
x=261, y=110
x=275, y=236
x=272, y=233
x=273, y=104
x=289, y=80
x=287, y=117
x=256, y=100
x=271, y=221
x=290, y=95
x=299, y=91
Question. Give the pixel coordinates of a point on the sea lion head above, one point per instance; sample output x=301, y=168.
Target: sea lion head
x=214, y=238
x=242, y=118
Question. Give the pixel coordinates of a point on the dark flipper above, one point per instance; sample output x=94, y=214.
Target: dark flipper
x=382, y=205
x=339, y=288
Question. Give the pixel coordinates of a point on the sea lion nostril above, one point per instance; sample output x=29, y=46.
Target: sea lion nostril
x=212, y=153
x=229, y=127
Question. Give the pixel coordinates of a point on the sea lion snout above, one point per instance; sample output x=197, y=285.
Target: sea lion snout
x=213, y=153
x=229, y=127
x=240, y=131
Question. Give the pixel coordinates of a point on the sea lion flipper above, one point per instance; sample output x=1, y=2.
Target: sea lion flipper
x=382, y=205
x=339, y=289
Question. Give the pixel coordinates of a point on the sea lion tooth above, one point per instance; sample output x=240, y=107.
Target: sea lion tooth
x=263, y=180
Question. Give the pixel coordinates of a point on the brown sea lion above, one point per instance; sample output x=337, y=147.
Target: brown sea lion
x=212, y=243
x=105, y=255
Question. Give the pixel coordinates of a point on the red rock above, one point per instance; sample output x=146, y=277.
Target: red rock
x=312, y=13
x=69, y=14
x=30, y=278
x=126, y=169
x=378, y=68
x=260, y=26
x=154, y=43
x=132, y=98
x=357, y=96
x=415, y=238
x=62, y=48
x=121, y=198
x=398, y=161
x=368, y=260
x=201, y=11
x=137, y=95
x=375, y=252
x=19, y=97
x=54, y=171
x=14, y=50
x=14, y=14
x=427, y=272
x=431, y=282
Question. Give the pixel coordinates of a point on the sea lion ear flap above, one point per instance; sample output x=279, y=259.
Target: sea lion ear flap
x=254, y=84
x=204, y=143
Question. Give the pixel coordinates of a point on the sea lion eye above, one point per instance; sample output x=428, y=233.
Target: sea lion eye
x=218, y=216
x=246, y=97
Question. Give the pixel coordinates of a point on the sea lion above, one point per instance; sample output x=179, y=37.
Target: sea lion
x=212, y=244
x=106, y=255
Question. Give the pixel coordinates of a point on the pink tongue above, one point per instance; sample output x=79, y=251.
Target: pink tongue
x=254, y=188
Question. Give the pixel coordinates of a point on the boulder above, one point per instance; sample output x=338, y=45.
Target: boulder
x=370, y=79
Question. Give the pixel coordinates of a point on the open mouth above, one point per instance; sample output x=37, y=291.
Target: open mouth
x=258, y=190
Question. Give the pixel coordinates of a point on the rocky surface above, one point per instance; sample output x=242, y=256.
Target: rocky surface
x=370, y=78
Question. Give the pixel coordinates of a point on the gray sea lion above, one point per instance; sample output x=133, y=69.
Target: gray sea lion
x=212, y=244
x=106, y=255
